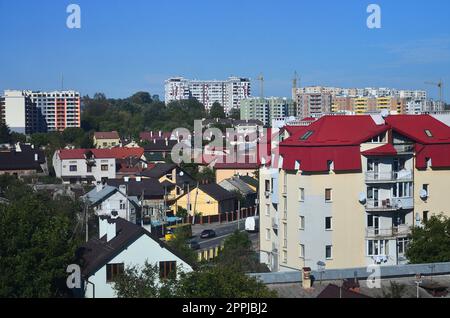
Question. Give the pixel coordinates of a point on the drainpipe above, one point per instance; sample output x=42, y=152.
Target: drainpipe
x=93, y=287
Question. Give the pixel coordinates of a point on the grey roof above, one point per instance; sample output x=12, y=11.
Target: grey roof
x=22, y=160
x=236, y=184
x=95, y=197
x=151, y=188
x=216, y=191
x=94, y=254
x=249, y=180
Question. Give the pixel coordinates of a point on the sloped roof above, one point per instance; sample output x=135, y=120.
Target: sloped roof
x=385, y=150
x=106, y=135
x=98, y=252
x=216, y=191
x=117, y=153
x=21, y=160
x=237, y=184
x=151, y=188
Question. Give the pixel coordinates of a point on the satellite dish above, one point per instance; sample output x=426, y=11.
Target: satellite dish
x=181, y=173
x=423, y=194
x=362, y=198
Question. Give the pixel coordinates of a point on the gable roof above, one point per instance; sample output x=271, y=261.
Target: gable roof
x=96, y=253
x=385, y=150
x=236, y=184
x=160, y=145
x=113, y=153
x=159, y=170
x=216, y=192
x=151, y=188
x=22, y=160
x=250, y=181
x=106, y=135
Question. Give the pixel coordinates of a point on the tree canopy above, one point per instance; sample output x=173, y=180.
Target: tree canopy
x=431, y=243
x=216, y=111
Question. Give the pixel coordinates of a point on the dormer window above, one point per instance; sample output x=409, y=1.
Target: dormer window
x=307, y=135
x=428, y=133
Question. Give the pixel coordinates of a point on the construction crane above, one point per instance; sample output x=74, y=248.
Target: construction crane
x=261, y=80
x=440, y=85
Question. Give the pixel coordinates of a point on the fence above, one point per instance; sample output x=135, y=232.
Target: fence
x=223, y=217
x=209, y=254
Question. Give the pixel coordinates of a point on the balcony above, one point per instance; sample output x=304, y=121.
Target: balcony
x=275, y=222
x=404, y=148
x=389, y=204
x=393, y=232
x=387, y=177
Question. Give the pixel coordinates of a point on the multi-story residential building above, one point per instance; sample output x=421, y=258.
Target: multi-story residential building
x=29, y=111
x=346, y=190
x=228, y=93
x=107, y=139
x=369, y=104
x=20, y=113
x=313, y=104
x=266, y=109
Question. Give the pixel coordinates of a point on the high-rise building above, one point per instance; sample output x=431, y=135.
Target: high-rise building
x=266, y=109
x=348, y=190
x=35, y=111
x=313, y=104
x=228, y=93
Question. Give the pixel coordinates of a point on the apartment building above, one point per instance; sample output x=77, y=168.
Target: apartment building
x=228, y=93
x=29, y=112
x=313, y=104
x=20, y=113
x=370, y=104
x=346, y=190
x=266, y=109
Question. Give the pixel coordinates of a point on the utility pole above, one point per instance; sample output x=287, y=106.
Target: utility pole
x=239, y=214
x=195, y=204
x=86, y=219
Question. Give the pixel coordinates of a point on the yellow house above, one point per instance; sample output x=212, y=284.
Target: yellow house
x=207, y=199
x=103, y=140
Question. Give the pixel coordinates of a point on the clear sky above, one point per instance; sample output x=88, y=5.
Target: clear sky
x=128, y=45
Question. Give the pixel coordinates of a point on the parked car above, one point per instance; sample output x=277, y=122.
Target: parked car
x=207, y=234
x=194, y=245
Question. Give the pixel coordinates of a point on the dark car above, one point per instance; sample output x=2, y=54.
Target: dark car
x=208, y=234
x=194, y=245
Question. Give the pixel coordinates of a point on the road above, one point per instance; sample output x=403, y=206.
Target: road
x=223, y=230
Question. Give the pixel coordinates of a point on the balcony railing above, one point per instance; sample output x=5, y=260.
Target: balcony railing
x=392, y=232
x=394, y=176
x=389, y=204
x=406, y=148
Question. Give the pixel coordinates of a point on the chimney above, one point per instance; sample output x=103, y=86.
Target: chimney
x=99, y=186
x=151, y=134
x=36, y=157
x=154, y=141
x=126, y=179
x=167, y=142
x=123, y=188
x=111, y=226
x=160, y=133
x=138, y=179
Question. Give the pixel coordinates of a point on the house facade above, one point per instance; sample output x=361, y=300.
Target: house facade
x=105, y=140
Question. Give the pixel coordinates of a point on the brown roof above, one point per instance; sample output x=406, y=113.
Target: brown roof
x=333, y=291
x=106, y=135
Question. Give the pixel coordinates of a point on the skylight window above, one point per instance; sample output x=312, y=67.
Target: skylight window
x=307, y=135
x=428, y=132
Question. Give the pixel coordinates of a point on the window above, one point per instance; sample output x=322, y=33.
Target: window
x=104, y=167
x=328, y=196
x=267, y=185
x=302, y=222
x=402, y=245
x=328, y=223
x=167, y=268
x=285, y=210
x=113, y=270
x=285, y=257
x=73, y=168
x=267, y=234
x=302, y=251
x=307, y=135
x=328, y=252
x=428, y=133
x=302, y=194
x=89, y=168
x=268, y=210
x=105, y=144
x=122, y=205
x=377, y=247
x=285, y=235
x=426, y=187
x=425, y=216
x=330, y=165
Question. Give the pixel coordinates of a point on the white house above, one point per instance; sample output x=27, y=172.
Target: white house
x=105, y=199
x=122, y=244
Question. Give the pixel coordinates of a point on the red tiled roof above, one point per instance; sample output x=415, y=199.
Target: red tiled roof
x=385, y=150
x=439, y=155
x=106, y=135
x=117, y=153
x=146, y=135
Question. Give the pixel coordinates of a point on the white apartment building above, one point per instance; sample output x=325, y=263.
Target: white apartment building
x=347, y=190
x=228, y=93
x=33, y=111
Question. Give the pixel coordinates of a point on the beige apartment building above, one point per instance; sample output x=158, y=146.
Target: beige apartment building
x=346, y=190
x=369, y=104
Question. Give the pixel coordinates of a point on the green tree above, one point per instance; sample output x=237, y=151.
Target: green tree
x=235, y=113
x=5, y=134
x=207, y=174
x=180, y=244
x=430, y=244
x=37, y=242
x=216, y=111
x=395, y=290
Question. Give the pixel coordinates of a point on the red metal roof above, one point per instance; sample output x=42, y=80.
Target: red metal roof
x=117, y=153
x=385, y=150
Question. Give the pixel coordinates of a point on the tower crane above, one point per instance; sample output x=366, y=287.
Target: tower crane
x=261, y=80
x=440, y=85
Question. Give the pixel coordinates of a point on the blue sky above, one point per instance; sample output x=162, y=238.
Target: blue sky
x=125, y=46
